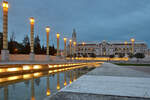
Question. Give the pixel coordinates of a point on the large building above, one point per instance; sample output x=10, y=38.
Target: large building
x=107, y=48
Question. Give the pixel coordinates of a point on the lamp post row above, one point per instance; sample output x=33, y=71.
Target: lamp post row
x=5, y=52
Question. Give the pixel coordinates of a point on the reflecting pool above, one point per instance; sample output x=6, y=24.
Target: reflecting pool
x=36, y=86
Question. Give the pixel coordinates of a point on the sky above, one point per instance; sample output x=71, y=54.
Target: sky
x=93, y=20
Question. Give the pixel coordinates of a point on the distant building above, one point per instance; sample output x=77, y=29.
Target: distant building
x=105, y=48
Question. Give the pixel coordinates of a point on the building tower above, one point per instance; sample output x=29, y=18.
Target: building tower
x=74, y=41
x=74, y=36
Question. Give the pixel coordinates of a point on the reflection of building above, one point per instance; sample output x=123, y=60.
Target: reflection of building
x=105, y=48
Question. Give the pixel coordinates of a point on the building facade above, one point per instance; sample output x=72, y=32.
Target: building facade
x=105, y=48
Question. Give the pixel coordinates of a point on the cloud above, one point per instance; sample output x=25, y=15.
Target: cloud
x=94, y=20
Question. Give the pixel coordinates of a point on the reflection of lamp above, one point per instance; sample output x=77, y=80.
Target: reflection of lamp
x=74, y=75
x=58, y=85
x=70, y=77
x=132, y=40
x=48, y=92
x=65, y=81
x=32, y=89
x=57, y=36
x=6, y=93
x=32, y=38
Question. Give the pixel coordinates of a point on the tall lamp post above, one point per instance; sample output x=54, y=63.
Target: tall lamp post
x=65, y=53
x=132, y=40
x=57, y=36
x=32, y=39
x=125, y=43
x=5, y=52
x=74, y=51
x=70, y=42
x=83, y=44
x=47, y=33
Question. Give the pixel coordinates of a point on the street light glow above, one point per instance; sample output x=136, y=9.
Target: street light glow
x=132, y=40
x=47, y=29
x=32, y=20
x=74, y=43
x=5, y=4
x=70, y=40
x=57, y=35
x=65, y=39
x=125, y=42
x=83, y=43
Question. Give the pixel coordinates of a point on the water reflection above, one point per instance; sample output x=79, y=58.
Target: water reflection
x=32, y=89
x=5, y=92
x=65, y=81
x=58, y=84
x=48, y=92
x=36, y=85
x=74, y=74
x=70, y=76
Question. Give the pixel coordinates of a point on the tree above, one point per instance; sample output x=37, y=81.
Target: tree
x=37, y=45
x=52, y=50
x=13, y=46
x=43, y=50
x=139, y=56
x=26, y=45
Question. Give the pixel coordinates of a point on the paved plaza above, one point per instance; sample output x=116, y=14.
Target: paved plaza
x=109, y=82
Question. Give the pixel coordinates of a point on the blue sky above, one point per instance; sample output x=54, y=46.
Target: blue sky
x=94, y=20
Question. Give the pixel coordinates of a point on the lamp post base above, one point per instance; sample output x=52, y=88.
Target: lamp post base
x=5, y=55
x=32, y=56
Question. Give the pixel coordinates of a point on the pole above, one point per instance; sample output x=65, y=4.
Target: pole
x=57, y=44
x=5, y=52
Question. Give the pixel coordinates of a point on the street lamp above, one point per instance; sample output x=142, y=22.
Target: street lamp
x=5, y=52
x=65, y=53
x=47, y=33
x=125, y=43
x=57, y=36
x=70, y=42
x=132, y=40
x=32, y=38
x=83, y=44
x=74, y=44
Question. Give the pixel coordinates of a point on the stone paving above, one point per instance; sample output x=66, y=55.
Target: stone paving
x=109, y=82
